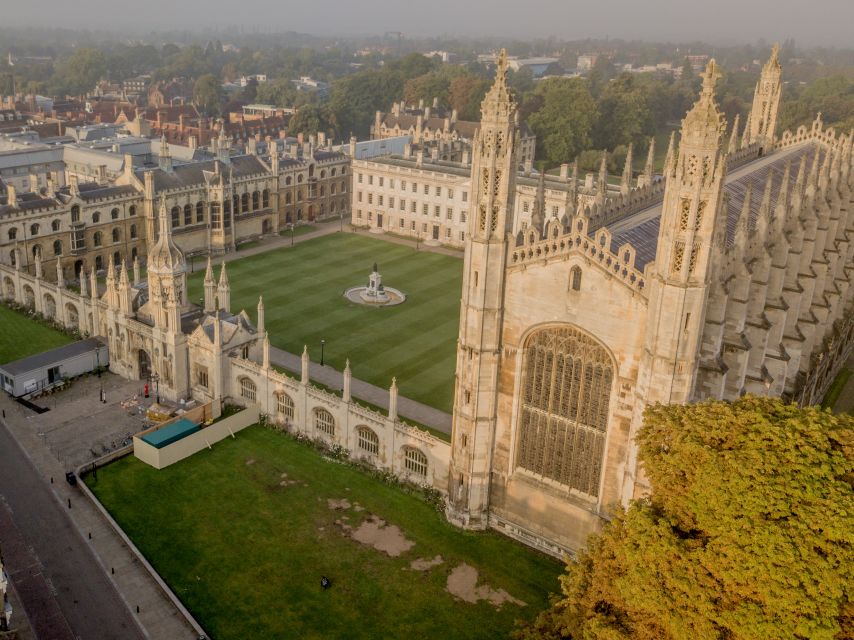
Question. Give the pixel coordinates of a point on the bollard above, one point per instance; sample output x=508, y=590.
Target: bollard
x=69, y=503
x=90, y=535
x=51, y=479
x=137, y=608
x=112, y=571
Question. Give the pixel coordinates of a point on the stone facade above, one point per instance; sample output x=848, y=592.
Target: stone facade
x=722, y=282
x=213, y=205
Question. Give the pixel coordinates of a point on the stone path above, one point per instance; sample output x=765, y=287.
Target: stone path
x=49, y=451
x=362, y=390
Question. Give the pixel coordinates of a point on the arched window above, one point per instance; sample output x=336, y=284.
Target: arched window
x=236, y=200
x=114, y=214
x=332, y=189
x=96, y=239
x=133, y=232
x=322, y=174
x=265, y=198
x=226, y=207
x=284, y=406
x=215, y=217
x=343, y=170
x=324, y=422
x=299, y=179
x=116, y=235
x=288, y=181
x=575, y=278
x=55, y=225
x=133, y=253
x=117, y=258
x=13, y=233
x=322, y=190
x=96, y=217
x=34, y=229
x=176, y=216
x=244, y=202
x=369, y=442
x=311, y=171
x=99, y=263
x=132, y=210
x=13, y=257
x=75, y=213
x=566, y=391
x=57, y=247
x=247, y=389
x=288, y=197
x=188, y=214
x=200, y=211
x=332, y=172
x=299, y=195
x=415, y=462
x=255, y=200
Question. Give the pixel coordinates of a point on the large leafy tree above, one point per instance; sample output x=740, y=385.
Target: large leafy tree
x=564, y=120
x=747, y=533
x=80, y=72
x=207, y=93
x=625, y=114
x=465, y=95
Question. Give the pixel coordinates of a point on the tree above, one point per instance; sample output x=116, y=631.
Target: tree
x=624, y=114
x=206, y=94
x=309, y=119
x=747, y=533
x=565, y=120
x=81, y=71
x=280, y=93
x=465, y=94
x=355, y=99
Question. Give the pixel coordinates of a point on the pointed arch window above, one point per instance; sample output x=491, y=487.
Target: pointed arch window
x=565, y=405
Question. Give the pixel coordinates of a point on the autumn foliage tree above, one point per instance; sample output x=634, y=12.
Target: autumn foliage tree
x=746, y=535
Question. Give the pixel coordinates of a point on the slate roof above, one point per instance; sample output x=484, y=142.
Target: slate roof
x=642, y=229
x=51, y=357
x=186, y=175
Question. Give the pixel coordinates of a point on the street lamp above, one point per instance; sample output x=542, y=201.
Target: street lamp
x=340, y=221
x=292, y=233
x=322, y=345
x=155, y=378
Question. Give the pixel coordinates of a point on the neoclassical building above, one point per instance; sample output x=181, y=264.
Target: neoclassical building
x=738, y=280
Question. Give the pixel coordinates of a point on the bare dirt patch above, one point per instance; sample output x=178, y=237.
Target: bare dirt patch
x=462, y=583
x=423, y=564
x=250, y=461
x=380, y=535
x=338, y=505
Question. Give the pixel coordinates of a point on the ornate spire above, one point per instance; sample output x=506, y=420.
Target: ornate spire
x=165, y=256
x=733, y=136
x=743, y=225
x=649, y=169
x=626, y=181
x=763, y=221
x=670, y=158
x=499, y=102
x=704, y=124
x=781, y=208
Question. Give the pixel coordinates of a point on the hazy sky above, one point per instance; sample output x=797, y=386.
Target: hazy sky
x=728, y=21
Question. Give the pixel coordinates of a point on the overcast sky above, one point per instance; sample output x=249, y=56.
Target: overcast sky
x=726, y=21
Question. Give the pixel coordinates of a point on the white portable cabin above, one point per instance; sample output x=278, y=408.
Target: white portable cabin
x=50, y=368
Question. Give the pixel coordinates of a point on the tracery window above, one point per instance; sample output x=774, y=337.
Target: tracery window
x=368, y=441
x=284, y=406
x=685, y=213
x=692, y=261
x=565, y=400
x=698, y=221
x=575, y=278
x=248, y=389
x=324, y=422
x=678, y=256
x=415, y=462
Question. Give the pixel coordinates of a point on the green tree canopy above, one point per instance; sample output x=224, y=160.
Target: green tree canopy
x=80, y=72
x=564, y=121
x=206, y=93
x=747, y=534
x=624, y=114
x=309, y=119
x=465, y=94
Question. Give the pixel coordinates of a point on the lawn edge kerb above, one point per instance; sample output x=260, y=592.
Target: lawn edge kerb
x=82, y=472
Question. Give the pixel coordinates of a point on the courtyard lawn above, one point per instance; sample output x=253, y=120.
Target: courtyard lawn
x=22, y=336
x=243, y=533
x=303, y=286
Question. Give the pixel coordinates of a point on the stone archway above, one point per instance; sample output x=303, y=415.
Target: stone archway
x=49, y=307
x=144, y=364
x=72, y=316
x=29, y=297
x=9, y=288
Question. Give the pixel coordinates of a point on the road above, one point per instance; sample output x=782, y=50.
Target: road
x=59, y=580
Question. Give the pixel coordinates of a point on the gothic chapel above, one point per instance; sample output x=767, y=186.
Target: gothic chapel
x=737, y=282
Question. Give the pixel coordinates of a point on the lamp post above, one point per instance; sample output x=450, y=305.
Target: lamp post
x=155, y=378
x=340, y=221
x=322, y=345
x=292, y=233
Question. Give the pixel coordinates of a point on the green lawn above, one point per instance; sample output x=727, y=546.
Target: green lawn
x=245, y=554
x=21, y=336
x=303, y=286
x=836, y=389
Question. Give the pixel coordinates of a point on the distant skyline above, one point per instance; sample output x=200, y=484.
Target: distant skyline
x=818, y=22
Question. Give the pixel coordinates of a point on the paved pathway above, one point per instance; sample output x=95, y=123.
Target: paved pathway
x=55, y=442
x=64, y=591
x=360, y=389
